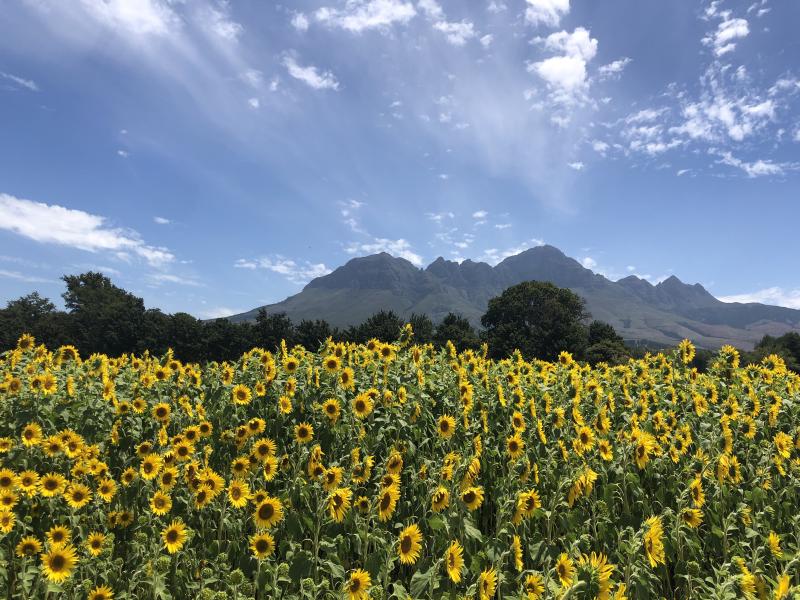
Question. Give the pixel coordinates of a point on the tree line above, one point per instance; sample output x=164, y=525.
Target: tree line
x=535, y=317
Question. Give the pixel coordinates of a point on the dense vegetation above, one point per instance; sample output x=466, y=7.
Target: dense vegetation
x=396, y=471
x=537, y=318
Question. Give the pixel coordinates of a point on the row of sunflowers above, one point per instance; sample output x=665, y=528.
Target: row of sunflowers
x=396, y=471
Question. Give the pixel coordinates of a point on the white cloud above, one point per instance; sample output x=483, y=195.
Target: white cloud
x=253, y=77
x=496, y=7
x=487, y=40
x=444, y=176
x=218, y=23
x=579, y=43
x=588, y=263
x=348, y=210
x=400, y=248
x=614, y=68
x=682, y=172
x=254, y=103
x=218, y=312
x=502, y=225
x=296, y=272
x=494, y=255
x=53, y=224
x=360, y=15
x=758, y=168
x=480, y=214
x=26, y=83
x=161, y=221
x=728, y=31
x=123, y=153
x=774, y=295
x=136, y=17
x=546, y=12
x=577, y=166
x=456, y=33
x=432, y=9
x=300, y=22
x=439, y=217
x=159, y=278
x=310, y=76
x=23, y=277
x=599, y=146
x=797, y=135
x=566, y=74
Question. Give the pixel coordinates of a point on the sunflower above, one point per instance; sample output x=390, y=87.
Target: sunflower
x=332, y=409
x=28, y=546
x=174, y=536
x=357, y=586
x=150, y=467
x=8, y=499
x=107, y=489
x=31, y=435
x=128, y=476
x=263, y=448
x=269, y=468
x=440, y=499
x=534, y=586
x=77, y=495
x=168, y=478
x=409, y=544
x=653, y=542
x=487, y=583
x=28, y=482
x=387, y=502
x=516, y=551
x=363, y=505
x=241, y=394
x=203, y=496
x=161, y=412
x=94, y=543
x=101, y=592
x=605, y=451
x=269, y=512
x=362, y=406
x=597, y=570
x=7, y=520
x=446, y=426
x=160, y=503
x=303, y=433
x=515, y=446
x=565, y=570
x=58, y=563
x=472, y=497
x=454, y=561
x=238, y=493
x=58, y=535
x=693, y=517
x=645, y=444
x=331, y=363
x=584, y=440
x=775, y=545
x=696, y=490
x=262, y=544
x=339, y=502
x=285, y=405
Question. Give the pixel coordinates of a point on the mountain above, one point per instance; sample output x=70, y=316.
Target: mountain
x=661, y=314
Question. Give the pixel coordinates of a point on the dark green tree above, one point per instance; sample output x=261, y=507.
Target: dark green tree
x=604, y=344
x=384, y=325
x=23, y=315
x=537, y=318
x=103, y=317
x=423, y=328
x=458, y=330
x=312, y=334
x=270, y=329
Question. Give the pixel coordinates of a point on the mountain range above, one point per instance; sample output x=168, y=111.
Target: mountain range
x=656, y=315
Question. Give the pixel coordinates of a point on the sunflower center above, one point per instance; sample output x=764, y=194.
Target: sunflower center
x=266, y=511
x=57, y=563
x=405, y=544
x=262, y=545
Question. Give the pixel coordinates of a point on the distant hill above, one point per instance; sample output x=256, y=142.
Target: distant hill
x=661, y=314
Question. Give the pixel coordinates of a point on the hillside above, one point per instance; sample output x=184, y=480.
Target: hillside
x=661, y=314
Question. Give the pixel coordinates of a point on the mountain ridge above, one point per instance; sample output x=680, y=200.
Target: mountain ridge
x=660, y=314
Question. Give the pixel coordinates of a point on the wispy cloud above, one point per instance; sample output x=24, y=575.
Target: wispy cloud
x=298, y=272
x=361, y=15
x=546, y=12
x=310, y=75
x=777, y=296
x=401, y=248
x=19, y=82
x=53, y=224
x=496, y=255
x=24, y=277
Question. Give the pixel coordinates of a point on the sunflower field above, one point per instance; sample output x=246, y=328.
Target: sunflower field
x=396, y=471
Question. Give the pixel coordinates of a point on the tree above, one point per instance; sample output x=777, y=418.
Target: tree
x=423, y=328
x=605, y=345
x=23, y=315
x=537, y=318
x=270, y=329
x=311, y=334
x=383, y=325
x=103, y=317
x=458, y=330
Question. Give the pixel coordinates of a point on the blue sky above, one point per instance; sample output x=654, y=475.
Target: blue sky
x=214, y=156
